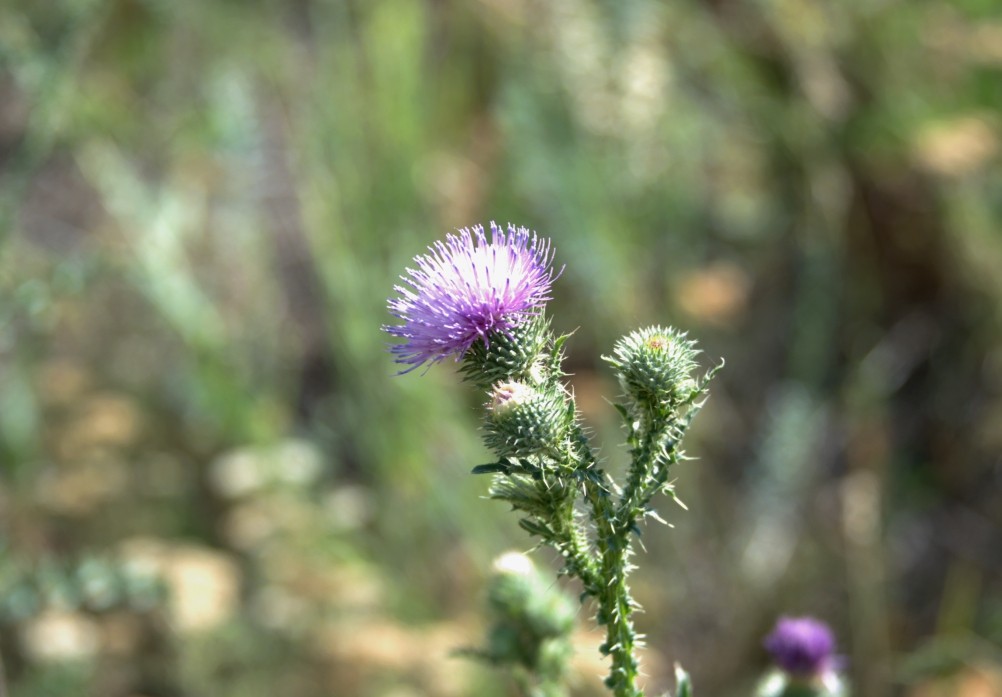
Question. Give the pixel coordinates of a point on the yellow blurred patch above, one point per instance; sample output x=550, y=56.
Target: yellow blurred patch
x=203, y=583
x=957, y=147
x=78, y=488
x=62, y=382
x=104, y=420
x=367, y=650
x=58, y=635
x=971, y=682
x=713, y=294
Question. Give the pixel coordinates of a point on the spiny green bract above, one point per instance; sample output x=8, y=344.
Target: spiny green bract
x=655, y=366
x=523, y=420
x=776, y=683
x=514, y=355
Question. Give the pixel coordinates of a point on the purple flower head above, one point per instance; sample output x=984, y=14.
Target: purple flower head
x=467, y=287
x=801, y=646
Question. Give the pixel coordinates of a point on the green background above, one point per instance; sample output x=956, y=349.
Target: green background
x=213, y=482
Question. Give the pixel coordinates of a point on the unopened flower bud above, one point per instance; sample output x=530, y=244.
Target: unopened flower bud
x=516, y=353
x=801, y=646
x=520, y=595
x=655, y=366
x=803, y=649
x=523, y=420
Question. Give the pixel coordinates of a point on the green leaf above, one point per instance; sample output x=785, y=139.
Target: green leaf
x=527, y=466
x=490, y=468
x=534, y=527
x=624, y=412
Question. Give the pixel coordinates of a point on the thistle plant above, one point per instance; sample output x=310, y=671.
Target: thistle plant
x=481, y=300
x=531, y=621
x=803, y=650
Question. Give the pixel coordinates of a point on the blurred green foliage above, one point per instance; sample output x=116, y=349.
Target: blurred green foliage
x=204, y=205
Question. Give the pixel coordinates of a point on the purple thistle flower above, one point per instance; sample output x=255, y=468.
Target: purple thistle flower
x=466, y=288
x=801, y=646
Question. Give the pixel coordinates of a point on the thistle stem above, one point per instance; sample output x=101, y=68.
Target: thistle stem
x=638, y=491
x=573, y=545
x=615, y=603
x=613, y=594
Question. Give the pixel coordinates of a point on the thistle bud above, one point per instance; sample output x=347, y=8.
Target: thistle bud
x=531, y=621
x=803, y=650
x=515, y=354
x=520, y=596
x=523, y=420
x=655, y=366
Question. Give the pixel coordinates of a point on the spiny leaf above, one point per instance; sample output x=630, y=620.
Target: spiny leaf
x=491, y=468
x=624, y=412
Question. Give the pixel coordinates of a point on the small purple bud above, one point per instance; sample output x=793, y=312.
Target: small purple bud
x=801, y=646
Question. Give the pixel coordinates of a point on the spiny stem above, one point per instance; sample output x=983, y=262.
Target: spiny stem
x=653, y=458
x=613, y=594
x=637, y=492
x=573, y=545
x=615, y=603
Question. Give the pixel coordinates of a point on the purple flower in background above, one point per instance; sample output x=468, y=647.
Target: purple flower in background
x=467, y=287
x=801, y=646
